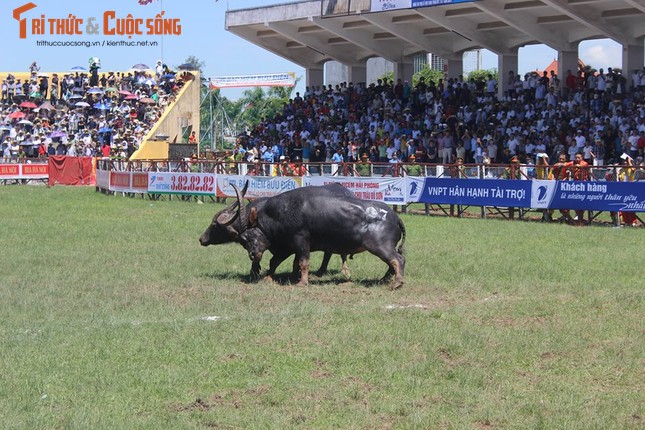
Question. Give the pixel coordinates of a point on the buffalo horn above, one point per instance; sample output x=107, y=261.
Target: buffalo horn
x=241, y=210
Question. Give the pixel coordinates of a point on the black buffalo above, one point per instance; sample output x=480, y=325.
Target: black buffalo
x=229, y=224
x=313, y=219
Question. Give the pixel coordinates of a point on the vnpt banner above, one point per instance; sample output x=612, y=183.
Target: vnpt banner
x=589, y=195
x=473, y=192
x=597, y=196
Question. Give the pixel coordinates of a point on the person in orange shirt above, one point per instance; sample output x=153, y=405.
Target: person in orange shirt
x=561, y=172
x=626, y=174
x=579, y=171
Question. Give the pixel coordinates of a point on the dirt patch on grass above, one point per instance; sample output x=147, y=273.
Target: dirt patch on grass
x=511, y=322
x=484, y=425
x=202, y=405
x=449, y=359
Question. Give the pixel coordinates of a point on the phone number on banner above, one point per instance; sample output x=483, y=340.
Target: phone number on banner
x=181, y=183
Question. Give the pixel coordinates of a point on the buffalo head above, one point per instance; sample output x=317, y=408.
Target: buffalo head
x=224, y=228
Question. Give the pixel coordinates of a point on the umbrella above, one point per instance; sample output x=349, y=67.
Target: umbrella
x=35, y=95
x=140, y=66
x=82, y=104
x=186, y=66
x=77, y=90
x=125, y=93
x=25, y=122
x=46, y=105
x=4, y=127
x=111, y=90
x=131, y=97
x=168, y=76
x=57, y=133
x=30, y=105
x=17, y=114
x=149, y=82
x=105, y=130
x=75, y=96
x=102, y=106
x=95, y=91
x=79, y=69
x=43, y=75
x=146, y=100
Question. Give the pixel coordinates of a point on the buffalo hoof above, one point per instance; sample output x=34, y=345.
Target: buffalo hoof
x=396, y=285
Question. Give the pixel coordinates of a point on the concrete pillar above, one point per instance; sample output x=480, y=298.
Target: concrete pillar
x=633, y=58
x=567, y=60
x=455, y=67
x=403, y=71
x=315, y=77
x=335, y=73
x=505, y=64
x=358, y=73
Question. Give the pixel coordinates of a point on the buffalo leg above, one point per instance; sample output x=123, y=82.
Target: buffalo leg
x=303, y=262
x=396, y=265
x=276, y=260
x=255, y=266
x=325, y=263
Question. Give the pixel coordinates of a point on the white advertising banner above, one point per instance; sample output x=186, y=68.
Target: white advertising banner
x=259, y=186
x=387, y=190
x=265, y=80
x=181, y=183
x=385, y=5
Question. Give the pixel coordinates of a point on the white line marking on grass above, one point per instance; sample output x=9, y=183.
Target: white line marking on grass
x=406, y=306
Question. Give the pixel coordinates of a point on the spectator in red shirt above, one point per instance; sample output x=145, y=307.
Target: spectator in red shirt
x=106, y=150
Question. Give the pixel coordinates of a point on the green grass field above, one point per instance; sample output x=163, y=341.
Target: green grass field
x=113, y=317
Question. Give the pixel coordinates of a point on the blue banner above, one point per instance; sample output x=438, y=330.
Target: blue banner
x=590, y=195
x=535, y=194
x=472, y=192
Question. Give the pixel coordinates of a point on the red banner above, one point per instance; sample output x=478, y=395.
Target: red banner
x=66, y=170
x=23, y=171
x=9, y=170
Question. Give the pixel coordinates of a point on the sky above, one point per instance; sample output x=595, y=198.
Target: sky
x=202, y=35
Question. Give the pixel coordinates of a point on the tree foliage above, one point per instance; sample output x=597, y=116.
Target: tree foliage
x=483, y=74
x=195, y=62
x=428, y=74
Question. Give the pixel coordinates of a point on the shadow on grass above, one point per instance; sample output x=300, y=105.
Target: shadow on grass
x=331, y=277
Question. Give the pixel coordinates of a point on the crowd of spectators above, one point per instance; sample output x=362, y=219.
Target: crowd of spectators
x=83, y=112
x=598, y=114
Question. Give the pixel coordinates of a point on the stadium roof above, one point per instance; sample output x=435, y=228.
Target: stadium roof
x=310, y=33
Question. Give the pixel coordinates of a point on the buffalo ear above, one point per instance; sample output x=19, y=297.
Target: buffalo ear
x=253, y=216
x=226, y=217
